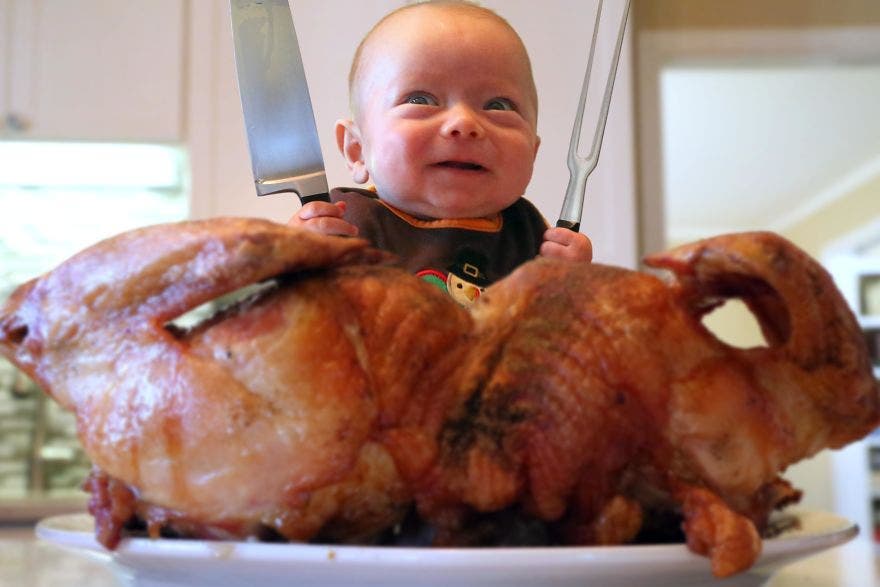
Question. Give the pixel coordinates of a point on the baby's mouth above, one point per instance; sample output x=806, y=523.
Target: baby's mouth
x=463, y=165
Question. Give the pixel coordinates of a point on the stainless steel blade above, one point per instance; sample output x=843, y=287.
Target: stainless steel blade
x=281, y=132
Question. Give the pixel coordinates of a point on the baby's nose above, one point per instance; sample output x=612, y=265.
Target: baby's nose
x=461, y=122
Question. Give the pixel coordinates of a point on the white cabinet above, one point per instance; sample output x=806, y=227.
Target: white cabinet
x=92, y=69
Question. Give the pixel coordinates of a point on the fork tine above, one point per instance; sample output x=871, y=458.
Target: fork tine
x=574, y=144
x=581, y=167
x=609, y=88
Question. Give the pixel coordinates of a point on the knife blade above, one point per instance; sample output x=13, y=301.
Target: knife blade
x=282, y=136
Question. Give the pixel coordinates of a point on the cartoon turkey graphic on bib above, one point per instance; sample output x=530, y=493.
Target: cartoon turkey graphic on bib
x=464, y=280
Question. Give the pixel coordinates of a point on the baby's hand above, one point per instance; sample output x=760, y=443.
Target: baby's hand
x=325, y=218
x=562, y=243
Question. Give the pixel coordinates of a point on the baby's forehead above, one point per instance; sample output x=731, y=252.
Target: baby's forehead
x=419, y=25
x=420, y=20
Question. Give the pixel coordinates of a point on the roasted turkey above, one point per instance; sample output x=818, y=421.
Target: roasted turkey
x=347, y=401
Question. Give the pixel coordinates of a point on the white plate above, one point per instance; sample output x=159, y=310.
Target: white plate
x=170, y=563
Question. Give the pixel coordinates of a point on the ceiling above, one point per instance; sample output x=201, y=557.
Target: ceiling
x=762, y=147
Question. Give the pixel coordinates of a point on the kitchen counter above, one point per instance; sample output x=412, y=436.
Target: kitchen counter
x=18, y=511
x=26, y=560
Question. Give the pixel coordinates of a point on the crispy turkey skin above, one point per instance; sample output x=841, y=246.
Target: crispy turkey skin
x=350, y=397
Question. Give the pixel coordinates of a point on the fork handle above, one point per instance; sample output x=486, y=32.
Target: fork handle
x=572, y=226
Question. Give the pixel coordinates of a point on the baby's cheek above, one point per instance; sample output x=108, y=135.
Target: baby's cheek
x=520, y=180
x=389, y=161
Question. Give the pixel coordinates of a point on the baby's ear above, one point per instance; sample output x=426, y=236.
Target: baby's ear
x=348, y=139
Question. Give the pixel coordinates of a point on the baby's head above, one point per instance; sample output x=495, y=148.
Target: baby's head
x=444, y=111
x=433, y=9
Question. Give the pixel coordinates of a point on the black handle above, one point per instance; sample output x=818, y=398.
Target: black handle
x=314, y=198
x=572, y=226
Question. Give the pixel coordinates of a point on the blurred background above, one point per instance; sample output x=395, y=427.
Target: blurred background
x=726, y=116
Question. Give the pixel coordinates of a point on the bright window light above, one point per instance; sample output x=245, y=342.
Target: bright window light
x=58, y=198
x=55, y=200
x=104, y=165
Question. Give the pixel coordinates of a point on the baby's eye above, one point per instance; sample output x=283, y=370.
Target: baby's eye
x=421, y=99
x=499, y=104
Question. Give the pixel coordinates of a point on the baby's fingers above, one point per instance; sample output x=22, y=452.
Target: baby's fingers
x=325, y=218
x=561, y=243
x=332, y=226
x=318, y=209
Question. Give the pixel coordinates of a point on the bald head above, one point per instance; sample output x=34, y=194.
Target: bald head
x=418, y=14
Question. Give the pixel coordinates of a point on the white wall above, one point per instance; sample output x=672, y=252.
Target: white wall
x=557, y=36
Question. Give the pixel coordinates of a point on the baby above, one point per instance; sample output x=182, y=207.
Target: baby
x=444, y=126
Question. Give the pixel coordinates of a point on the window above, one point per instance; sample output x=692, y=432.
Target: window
x=56, y=199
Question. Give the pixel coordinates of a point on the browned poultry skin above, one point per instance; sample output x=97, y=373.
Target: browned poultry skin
x=583, y=396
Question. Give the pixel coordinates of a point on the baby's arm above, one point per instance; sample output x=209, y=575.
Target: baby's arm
x=562, y=243
x=325, y=218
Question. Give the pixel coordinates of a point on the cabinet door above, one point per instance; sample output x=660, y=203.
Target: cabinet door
x=93, y=69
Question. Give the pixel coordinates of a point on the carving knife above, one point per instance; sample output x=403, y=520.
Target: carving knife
x=282, y=136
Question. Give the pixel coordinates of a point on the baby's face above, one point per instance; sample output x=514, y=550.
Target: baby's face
x=447, y=114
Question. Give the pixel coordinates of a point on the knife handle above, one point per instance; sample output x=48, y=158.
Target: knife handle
x=572, y=226
x=314, y=198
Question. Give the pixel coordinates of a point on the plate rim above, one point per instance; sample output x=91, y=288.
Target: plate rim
x=788, y=547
